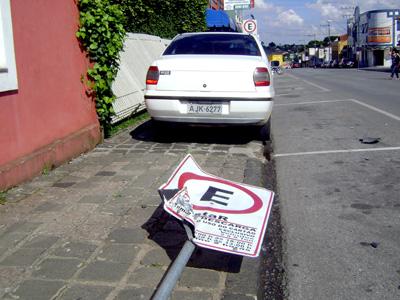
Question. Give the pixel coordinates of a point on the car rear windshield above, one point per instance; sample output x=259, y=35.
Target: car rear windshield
x=214, y=44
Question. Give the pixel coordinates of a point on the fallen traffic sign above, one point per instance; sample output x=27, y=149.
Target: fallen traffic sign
x=227, y=216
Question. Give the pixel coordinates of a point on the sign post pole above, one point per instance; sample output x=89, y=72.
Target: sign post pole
x=174, y=272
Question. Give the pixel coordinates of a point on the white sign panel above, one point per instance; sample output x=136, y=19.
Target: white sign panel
x=250, y=26
x=227, y=216
x=236, y=4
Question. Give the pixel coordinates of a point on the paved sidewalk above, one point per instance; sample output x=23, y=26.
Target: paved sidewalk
x=89, y=229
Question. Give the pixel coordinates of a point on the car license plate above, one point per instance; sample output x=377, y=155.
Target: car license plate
x=213, y=109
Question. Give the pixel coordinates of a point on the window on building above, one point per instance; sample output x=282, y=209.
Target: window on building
x=8, y=71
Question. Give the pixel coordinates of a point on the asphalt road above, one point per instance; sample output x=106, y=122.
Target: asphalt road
x=340, y=203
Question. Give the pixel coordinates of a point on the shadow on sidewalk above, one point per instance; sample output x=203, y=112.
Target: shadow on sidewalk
x=169, y=233
x=214, y=134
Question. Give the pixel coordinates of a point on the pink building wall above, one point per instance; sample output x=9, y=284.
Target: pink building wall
x=49, y=119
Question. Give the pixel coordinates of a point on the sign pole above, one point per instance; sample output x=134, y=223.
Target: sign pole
x=174, y=272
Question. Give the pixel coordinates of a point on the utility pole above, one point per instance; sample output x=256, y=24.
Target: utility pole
x=328, y=24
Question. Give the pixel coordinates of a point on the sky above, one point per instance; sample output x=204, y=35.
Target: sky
x=299, y=21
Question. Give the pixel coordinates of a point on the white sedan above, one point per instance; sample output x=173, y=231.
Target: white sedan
x=212, y=78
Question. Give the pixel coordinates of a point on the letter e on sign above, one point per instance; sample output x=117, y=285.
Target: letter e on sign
x=250, y=26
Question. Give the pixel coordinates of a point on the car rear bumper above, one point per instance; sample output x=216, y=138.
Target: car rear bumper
x=234, y=111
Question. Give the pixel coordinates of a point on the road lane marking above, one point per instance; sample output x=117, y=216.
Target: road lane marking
x=376, y=109
x=310, y=83
x=312, y=102
x=371, y=107
x=335, y=151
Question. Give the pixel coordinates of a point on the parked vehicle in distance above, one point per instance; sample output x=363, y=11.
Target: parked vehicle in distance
x=346, y=63
x=295, y=65
x=276, y=68
x=212, y=78
x=325, y=64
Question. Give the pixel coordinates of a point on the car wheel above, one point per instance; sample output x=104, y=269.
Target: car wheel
x=265, y=131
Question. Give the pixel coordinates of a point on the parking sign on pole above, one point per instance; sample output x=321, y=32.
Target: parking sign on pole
x=250, y=26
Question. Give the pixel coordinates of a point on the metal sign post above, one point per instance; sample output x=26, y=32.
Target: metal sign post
x=174, y=272
x=227, y=216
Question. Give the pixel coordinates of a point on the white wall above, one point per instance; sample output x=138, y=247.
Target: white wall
x=140, y=50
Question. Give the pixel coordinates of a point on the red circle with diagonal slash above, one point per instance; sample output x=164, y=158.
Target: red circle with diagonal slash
x=257, y=202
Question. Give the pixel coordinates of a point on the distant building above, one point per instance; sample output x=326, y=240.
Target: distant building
x=372, y=35
x=338, y=47
x=216, y=4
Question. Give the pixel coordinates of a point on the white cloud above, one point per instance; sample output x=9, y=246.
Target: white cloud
x=378, y=4
x=327, y=9
x=290, y=17
x=262, y=4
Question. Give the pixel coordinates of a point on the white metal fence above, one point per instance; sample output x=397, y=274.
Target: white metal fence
x=139, y=52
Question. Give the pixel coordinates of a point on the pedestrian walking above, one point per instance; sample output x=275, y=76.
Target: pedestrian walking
x=395, y=64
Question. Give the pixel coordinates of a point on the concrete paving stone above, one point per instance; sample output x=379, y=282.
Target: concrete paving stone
x=184, y=295
x=232, y=174
x=37, y=290
x=100, y=150
x=98, y=199
x=105, y=173
x=118, y=253
x=104, y=271
x=9, y=276
x=221, y=147
x=86, y=292
x=218, y=153
x=158, y=150
x=75, y=249
x=89, y=184
x=130, y=191
x=115, y=208
x=135, y=294
x=57, y=268
x=192, y=277
x=137, y=216
x=152, y=198
x=22, y=257
x=63, y=185
x=122, y=178
x=9, y=240
x=147, y=276
x=124, y=146
x=136, y=151
x=48, y=207
x=246, y=281
x=127, y=236
x=237, y=297
x=179, y=151
x=95, y=227
x=41, y=242
x=15, y=197
x=22, y=227
x=156, y=258
x=56, y=228
x=135, y=169
x=146, y=180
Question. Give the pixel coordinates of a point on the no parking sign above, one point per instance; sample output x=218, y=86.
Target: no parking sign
x=227, y=216
x=250, y=26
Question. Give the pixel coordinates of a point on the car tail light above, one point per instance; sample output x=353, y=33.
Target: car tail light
x=261, y=77
x=152, y=75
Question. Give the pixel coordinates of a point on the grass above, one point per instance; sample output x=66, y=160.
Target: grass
x=3, y=198
x=126, y=123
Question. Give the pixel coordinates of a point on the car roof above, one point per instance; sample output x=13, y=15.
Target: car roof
x=213, y=32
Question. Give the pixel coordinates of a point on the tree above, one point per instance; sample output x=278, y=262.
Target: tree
x=164, y=18
x=272, y=45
